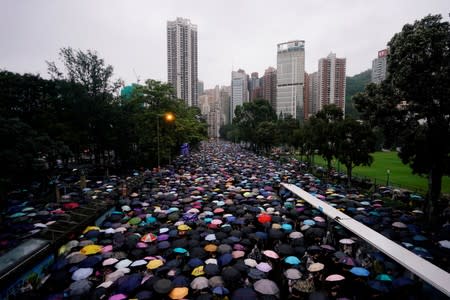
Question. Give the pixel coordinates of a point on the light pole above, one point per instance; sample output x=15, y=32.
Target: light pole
x=388, y=172
x=168, y=117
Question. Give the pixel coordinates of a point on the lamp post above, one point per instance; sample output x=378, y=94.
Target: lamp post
x=168, y=117
x=388, y=173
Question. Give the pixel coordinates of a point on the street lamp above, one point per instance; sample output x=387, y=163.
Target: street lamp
x=168, y=117
x=388, y=172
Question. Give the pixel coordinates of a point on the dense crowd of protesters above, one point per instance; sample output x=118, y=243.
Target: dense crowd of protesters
x=218, y=224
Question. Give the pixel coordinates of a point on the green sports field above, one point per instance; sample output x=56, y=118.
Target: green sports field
x=400, y=174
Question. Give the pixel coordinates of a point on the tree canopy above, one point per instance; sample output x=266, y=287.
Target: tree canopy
x=413, y=102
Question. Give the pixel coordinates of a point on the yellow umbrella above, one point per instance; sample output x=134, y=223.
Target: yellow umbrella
x=198, y=271
x=89, y=228
x=154, y=264
x=183, y=227
x=91, y=249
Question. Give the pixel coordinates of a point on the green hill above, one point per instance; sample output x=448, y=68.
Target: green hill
x=354, y=85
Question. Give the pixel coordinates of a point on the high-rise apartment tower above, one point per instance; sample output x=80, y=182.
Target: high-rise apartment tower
x=182, y=59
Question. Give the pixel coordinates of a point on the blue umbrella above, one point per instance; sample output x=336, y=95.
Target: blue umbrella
x=378, y=286
x=419, y=238
x=402, y=281
x=358, y=271
x=195, y=262
x=309, y=222
x=292, y=260
x=225, y=259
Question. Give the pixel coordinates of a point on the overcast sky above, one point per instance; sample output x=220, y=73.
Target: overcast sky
x=232, y=34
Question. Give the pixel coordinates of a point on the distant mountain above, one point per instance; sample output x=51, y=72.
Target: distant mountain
x=355, y=84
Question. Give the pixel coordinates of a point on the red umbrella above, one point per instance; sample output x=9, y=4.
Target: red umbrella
x=264, y=218
x=71, y=205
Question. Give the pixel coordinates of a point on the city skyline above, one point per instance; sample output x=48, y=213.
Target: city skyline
x=132, y=37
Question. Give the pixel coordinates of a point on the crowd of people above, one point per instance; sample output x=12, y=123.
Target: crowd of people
x=218, y=224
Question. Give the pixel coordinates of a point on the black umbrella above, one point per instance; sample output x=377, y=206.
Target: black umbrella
x=231, y=274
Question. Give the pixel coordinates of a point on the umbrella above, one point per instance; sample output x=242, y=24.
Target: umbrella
x=123, y=263
x=399, y=225
x=244, y=294
x=315, y=267
x=335, y=277
x=179, y=293
x=220, y=290
x=110, y=261
x=264, y=267
x=264, y=218
x=402, y=281
x=271, y=254
x=230, y=274
x=444, y=244
x=162, y=286
x=292, y=260
x=80, y=287
x=378, y=286
x=358, y=271
x=266, y=287
x=250, y=262
x=295, y=235
x=210, y=248
x=75, y=257
x=292, y=274
x=346, y=241
x=148, y=238
x=348, y=261
x=215, y=281
x=384, y=277
x=198, y=271
x=256, y=274
x=199, y=283
x=91, y=249
x=82, y=273
x=154, y=264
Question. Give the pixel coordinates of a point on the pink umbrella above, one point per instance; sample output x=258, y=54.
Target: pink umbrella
x=216, y=222
x=107, y=248
x=335, y=277
x=271, y=254
x=118, y=297
x=319, y=219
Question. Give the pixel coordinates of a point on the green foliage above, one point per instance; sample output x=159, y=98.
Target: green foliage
x=78, y=117
x=415, y=98
x=249, y=115
x=354, y=85
x=324, y=124
x=354, y=143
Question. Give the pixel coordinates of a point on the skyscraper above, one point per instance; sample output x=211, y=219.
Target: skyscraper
x=269, y=86
x=182, y=59
x=239, y=90
x=254, y=87
x=379, y=67
x=332, y=81
x=290, y=79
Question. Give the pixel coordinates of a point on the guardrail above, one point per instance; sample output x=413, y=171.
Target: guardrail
x=430, y=273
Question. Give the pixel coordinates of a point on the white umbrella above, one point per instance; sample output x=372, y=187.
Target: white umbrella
x=346, y=241
x=445, y=244
x=82, y=273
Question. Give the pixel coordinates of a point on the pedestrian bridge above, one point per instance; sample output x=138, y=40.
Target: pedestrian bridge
x=430, y=273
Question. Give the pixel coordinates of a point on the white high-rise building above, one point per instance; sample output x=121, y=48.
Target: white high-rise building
x=290, y=79
x=182, y=59
x=239, y=90
x=379, y=67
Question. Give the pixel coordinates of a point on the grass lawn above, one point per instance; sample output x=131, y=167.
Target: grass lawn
x=400, y=174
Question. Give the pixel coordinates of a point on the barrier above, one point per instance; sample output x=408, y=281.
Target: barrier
x=430, y=273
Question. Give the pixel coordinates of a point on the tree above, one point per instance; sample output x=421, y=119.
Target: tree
x=324, y=127
x=355, y=141
x=418, y=101
x=353, y=85
x=249, y=115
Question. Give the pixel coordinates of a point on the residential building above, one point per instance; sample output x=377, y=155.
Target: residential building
x=182, y=59
x=332, y=81
x=254, y=87
x=225, y=105
x=239, y=90
x=313, y=93
x=290, y=79
x=269, y=86
x=379, y=67
x=200, y=87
